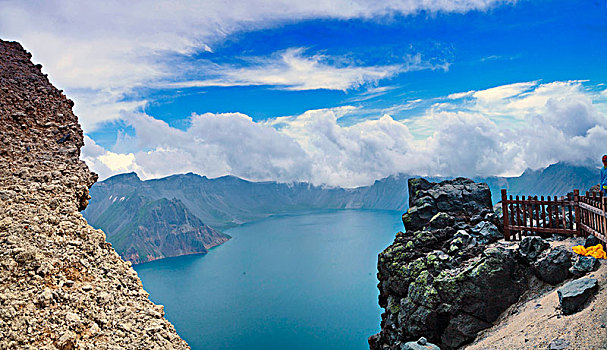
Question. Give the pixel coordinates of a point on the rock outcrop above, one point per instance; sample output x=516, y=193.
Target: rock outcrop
x=440, y=279
x=449, y=276
x=63, y=286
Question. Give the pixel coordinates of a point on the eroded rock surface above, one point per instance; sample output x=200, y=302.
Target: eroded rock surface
x=62, y=285
x=574, y=294
x=440, y=279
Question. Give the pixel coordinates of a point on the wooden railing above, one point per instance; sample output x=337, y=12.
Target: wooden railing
x=567, y=215
x=592, y=215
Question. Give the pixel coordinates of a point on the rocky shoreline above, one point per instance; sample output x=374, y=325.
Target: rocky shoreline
x=63, y=286
x=451, y=275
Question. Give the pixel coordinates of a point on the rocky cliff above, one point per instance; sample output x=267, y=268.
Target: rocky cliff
x=437, y=280
x=143, y=230
x=63, y=286
x=451, y=275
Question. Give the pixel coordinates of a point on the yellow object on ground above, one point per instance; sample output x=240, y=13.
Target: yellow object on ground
x=594, y=251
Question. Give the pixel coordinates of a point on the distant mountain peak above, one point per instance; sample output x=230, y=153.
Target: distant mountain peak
x=131, y=177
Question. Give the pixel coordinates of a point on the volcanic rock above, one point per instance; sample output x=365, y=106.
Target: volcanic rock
x=591, y=240
x=554, y=267
x=420, y=344
x=531, y=247
x=574, y=294
x=440, y=280
x=583, y=265
x=62, y=286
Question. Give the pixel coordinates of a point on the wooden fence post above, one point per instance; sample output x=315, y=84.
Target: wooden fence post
x=603, y=227
x=505, y=210
x=576, y=203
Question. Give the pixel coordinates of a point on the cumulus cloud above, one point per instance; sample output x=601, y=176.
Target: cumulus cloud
x=216, y=145
x=100, y=51
x=562, y=122
x=523, y=125
x=106, y=163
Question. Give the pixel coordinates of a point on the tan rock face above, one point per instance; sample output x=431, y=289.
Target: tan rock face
x=62, y=286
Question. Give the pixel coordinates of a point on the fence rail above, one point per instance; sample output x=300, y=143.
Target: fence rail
x=571, y=215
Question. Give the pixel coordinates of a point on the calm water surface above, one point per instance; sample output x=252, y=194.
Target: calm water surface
x=305, y=281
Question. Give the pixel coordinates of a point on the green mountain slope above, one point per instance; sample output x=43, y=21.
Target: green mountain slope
x=141, y=229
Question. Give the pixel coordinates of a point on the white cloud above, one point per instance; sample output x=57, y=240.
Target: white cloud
x=499, y=93
x=99, y=51
x=519, y=126
x=216, y=145
x=106, y=163
x=118, y=162
x=564, y=123
x=459, y=95
x=293, y=70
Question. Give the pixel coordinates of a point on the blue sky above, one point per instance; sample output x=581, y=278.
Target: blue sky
x=338, y=93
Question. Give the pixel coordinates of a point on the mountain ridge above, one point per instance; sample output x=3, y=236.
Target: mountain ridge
x=227, y=201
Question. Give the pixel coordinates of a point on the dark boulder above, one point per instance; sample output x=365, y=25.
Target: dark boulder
x=554, y=267
x=476, y=294
x=574, y=294
x=486, y=232
x=591, y=241
x=461, y=198
x=531, y=247
x=583, y=265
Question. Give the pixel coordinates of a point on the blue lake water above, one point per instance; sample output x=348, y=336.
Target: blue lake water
x=304, y=281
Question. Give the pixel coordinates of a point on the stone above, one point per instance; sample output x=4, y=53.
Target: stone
x=573, y=295
x=441, y=220
x=68, y=283
x=73, y=319
x=67, y=341
x=103, y=297
x=45, y=298
x=486, y=232
x=420, y=344
x=554, y=267
x=458, y=197
x=65, y=138
x=559, y=344
x=591, y=240
x=498, y=210
x=583, y=265
x=531, y=247
x=479, y=294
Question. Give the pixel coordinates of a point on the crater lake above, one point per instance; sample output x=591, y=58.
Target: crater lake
x=297, y=281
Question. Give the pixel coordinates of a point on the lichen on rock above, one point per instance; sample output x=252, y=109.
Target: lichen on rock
x=440, y=279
